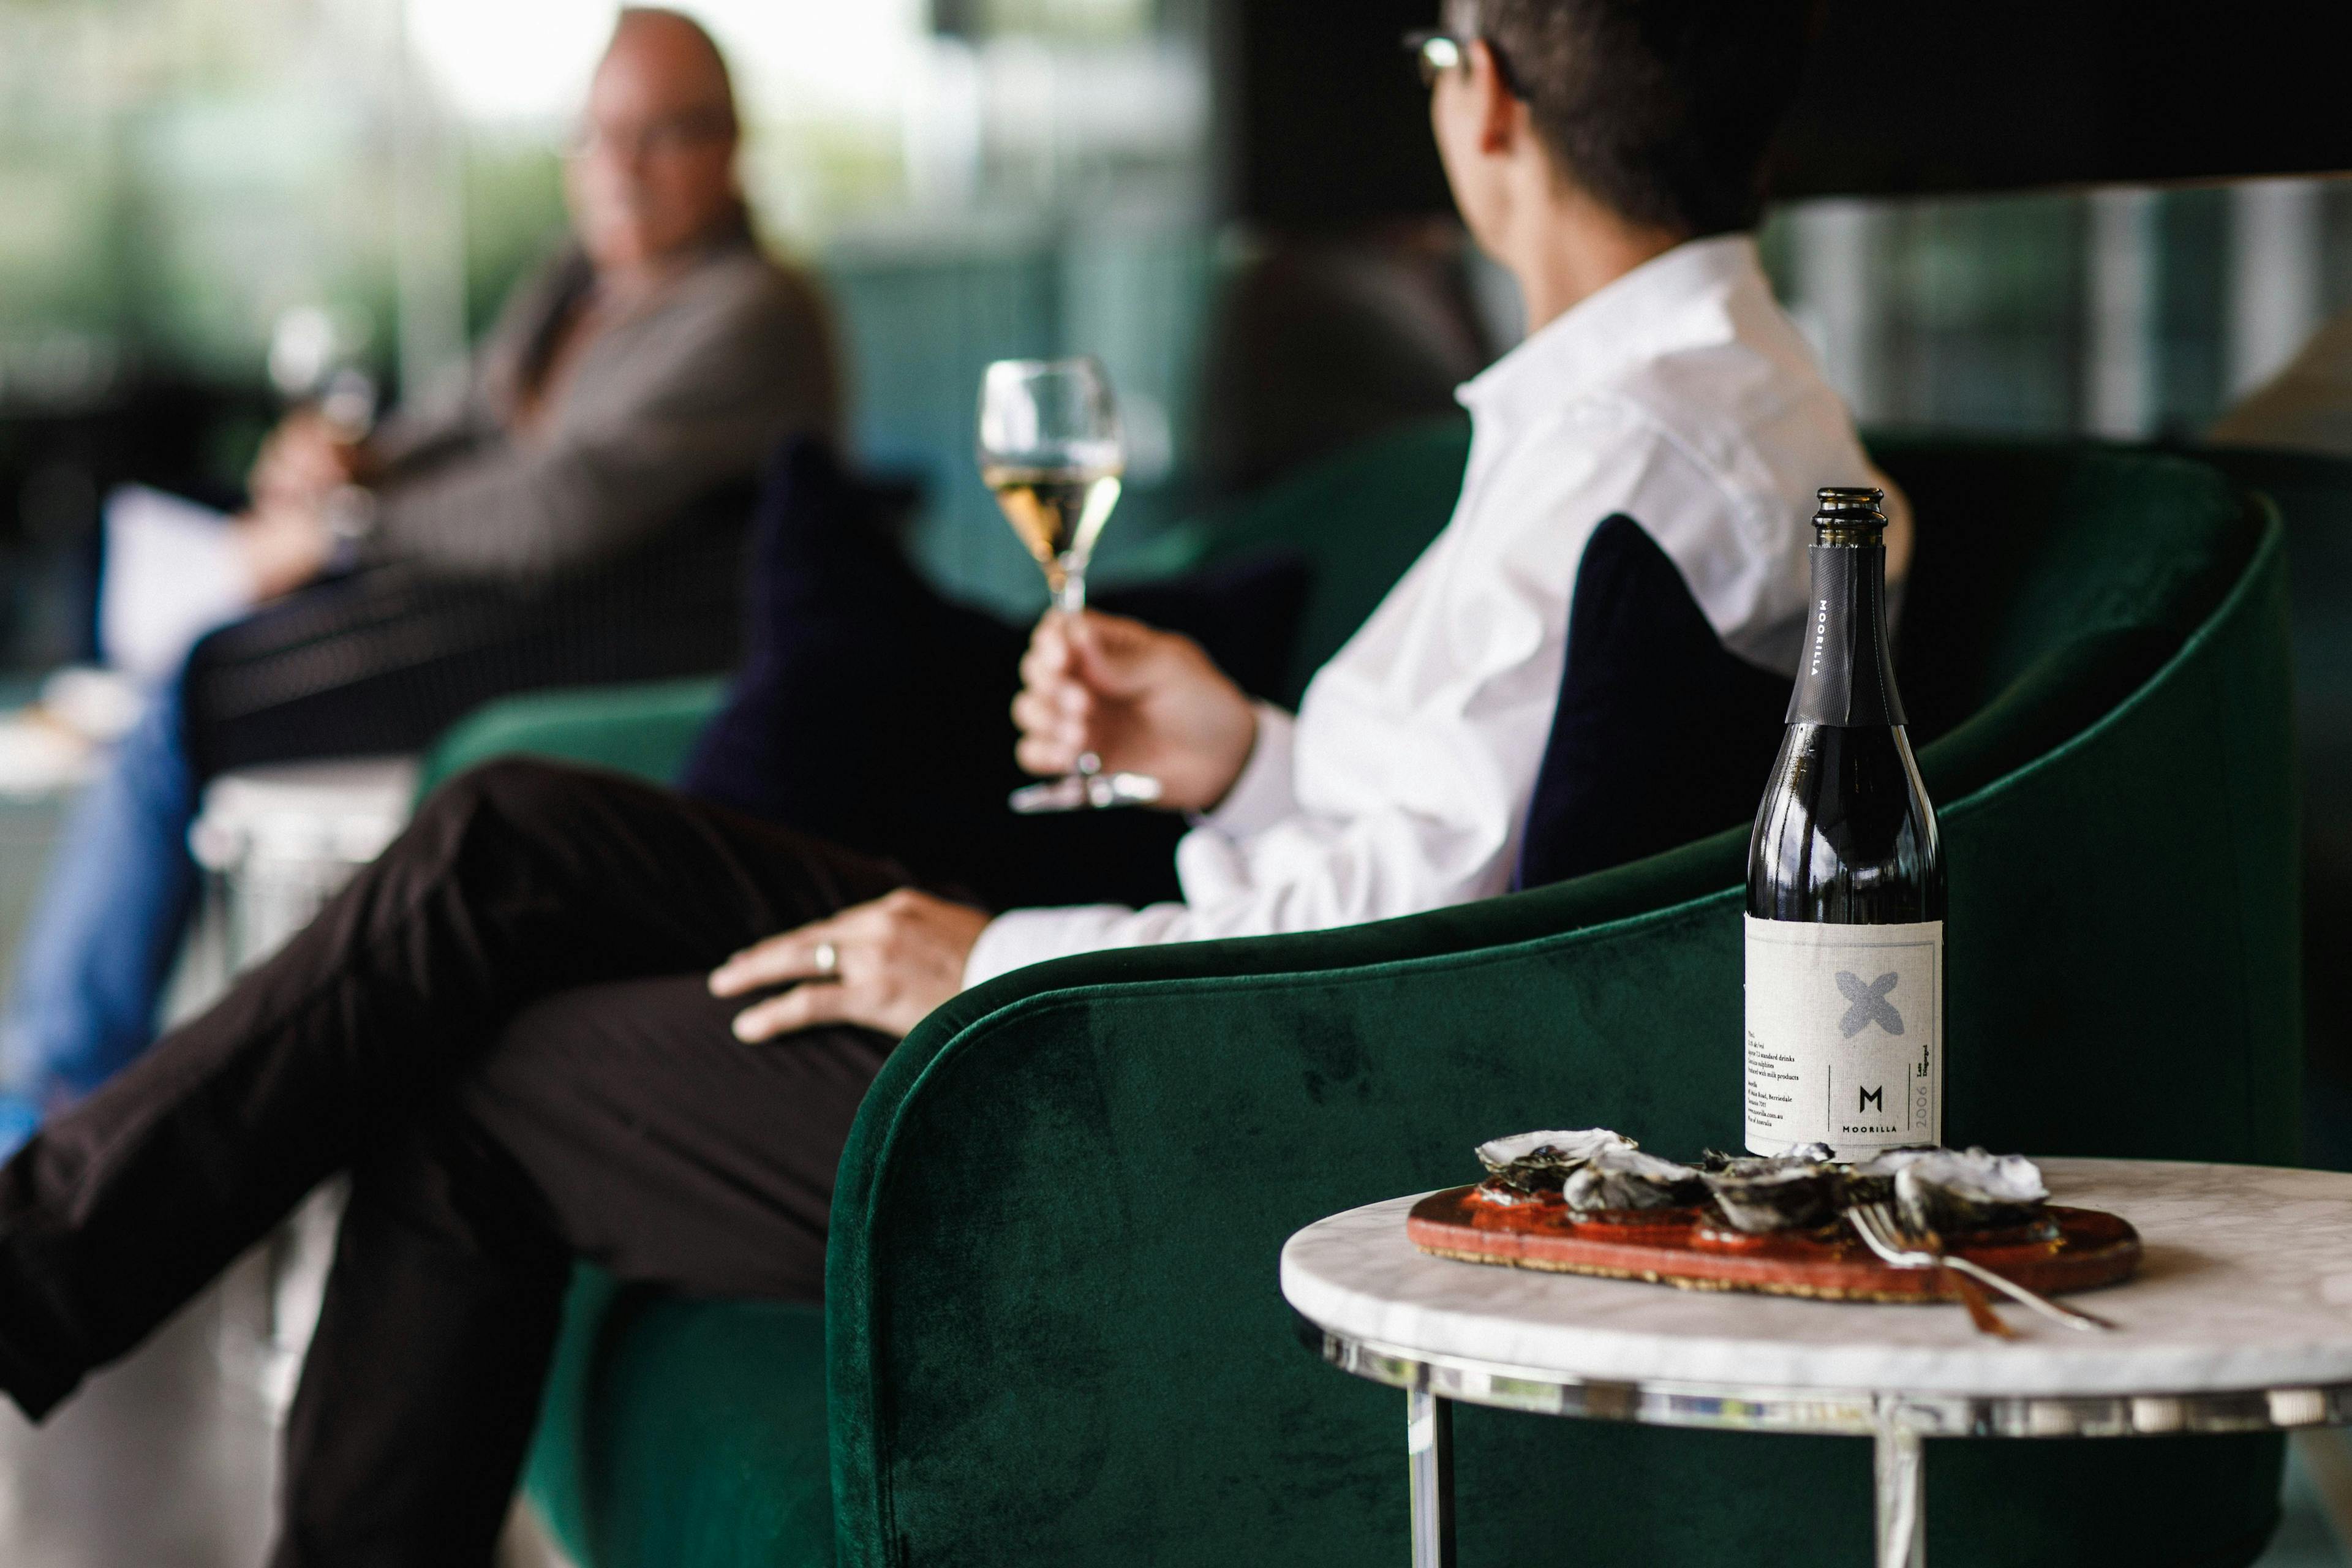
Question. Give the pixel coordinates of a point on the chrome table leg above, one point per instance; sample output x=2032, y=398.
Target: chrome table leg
x=1902, y=1491
x=1428, y=1442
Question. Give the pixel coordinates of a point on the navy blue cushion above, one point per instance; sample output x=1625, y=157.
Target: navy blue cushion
x=1662, y=736
x=873, y=712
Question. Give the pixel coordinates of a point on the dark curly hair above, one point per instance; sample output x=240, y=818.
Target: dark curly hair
x=1665, y=111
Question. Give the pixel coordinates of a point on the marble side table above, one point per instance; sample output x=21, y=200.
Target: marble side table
x=2239, y=1320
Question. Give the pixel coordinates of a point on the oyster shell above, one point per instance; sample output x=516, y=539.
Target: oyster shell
x=1872, y=1181
x=1760, y=1193
x=1886, y=1161
x=1530, y=1164
x=1564, y=1149
x=1620, y=1177
x=1954, y=1191
x=1713, y=1159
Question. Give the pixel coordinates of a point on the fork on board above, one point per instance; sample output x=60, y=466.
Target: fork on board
x=1885, y=1235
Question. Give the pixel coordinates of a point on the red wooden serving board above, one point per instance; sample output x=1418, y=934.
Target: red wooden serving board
x=2070, y=1250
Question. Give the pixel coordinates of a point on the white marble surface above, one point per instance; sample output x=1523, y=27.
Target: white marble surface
x=2246, y=1284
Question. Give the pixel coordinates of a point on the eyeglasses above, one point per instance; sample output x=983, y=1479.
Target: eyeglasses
x=1436, y=51
x=664, y=137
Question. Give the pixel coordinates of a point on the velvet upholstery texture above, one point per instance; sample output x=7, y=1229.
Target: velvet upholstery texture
x=1358, y=521
x=2314, y=495
x=644, y=730
x=1053, y=1328
x=696, y=1431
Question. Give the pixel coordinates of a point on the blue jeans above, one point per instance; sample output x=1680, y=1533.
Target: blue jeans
x=90, y=977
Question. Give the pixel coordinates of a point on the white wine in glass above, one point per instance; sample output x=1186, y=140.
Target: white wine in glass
x=1058, y=513
x=1051, y=448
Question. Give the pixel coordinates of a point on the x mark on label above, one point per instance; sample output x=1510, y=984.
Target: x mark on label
x=1870, y=1003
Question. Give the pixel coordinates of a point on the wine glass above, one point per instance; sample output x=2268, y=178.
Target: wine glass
x=1051, y=448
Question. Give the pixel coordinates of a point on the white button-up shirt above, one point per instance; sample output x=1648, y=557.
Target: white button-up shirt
x=1681, y=395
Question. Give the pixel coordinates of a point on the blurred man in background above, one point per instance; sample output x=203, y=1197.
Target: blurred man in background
x=659, y=354
x=650, y=364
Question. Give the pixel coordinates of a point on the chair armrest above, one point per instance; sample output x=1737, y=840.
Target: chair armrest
x=1082, y=1171
x=644, y=730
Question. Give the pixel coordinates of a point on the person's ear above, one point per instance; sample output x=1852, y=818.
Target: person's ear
x=1499, y=125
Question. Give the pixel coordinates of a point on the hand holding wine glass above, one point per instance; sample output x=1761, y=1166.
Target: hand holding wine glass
x=305, y=460
x=1141, y=699
x=1051, y=448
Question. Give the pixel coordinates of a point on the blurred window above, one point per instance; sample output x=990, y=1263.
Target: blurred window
x=2130, y=313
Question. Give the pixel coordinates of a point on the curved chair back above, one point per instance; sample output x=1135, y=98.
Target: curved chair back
x=2314, y=495
x=1053, y=1330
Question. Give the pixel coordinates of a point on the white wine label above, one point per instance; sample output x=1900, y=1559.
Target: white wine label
x=1845, y=1036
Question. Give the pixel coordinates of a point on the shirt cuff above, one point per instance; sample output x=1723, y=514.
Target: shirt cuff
x=1020, y=938
x=1261, y=796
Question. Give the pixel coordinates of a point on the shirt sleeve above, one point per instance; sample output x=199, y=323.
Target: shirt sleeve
x=1262, y=794
x=1020, y=938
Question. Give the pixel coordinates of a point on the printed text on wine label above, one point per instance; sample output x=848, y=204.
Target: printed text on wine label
x=1845, y=1036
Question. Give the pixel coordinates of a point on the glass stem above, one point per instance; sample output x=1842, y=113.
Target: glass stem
x=1070, y=599
x=1070, y=588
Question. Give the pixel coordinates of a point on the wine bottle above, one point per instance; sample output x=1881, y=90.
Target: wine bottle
x=1845, y=883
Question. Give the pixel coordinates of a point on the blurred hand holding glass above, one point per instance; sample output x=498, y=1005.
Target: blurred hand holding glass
x=1051, y=448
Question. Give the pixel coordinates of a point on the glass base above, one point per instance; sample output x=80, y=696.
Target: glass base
x=1085, y=791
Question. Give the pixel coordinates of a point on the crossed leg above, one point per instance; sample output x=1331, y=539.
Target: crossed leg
x=499, y=1029
x=622, y=1123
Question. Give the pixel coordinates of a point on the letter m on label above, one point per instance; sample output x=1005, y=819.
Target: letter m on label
x=1872, y=1097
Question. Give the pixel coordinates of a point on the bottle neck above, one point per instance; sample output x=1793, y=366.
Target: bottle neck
x=1847, y=676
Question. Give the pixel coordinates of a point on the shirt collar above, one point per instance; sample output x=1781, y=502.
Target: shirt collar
x=1672, y=300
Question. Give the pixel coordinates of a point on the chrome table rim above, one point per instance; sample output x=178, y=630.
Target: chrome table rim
x=1835, y=1412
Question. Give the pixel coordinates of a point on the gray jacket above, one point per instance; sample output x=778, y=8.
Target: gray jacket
x=686, y=394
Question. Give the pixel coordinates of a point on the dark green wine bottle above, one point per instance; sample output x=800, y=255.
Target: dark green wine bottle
x=1845, y=883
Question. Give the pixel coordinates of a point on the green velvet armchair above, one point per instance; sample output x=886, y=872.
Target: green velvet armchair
x=2314, y=493
x=1052, y=1332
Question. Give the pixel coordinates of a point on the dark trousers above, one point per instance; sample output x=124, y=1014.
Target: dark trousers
x=386, y=658
x=501, y=1030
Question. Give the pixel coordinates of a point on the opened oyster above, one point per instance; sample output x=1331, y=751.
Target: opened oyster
x=1713, y=1159
x=1778, y=1192
x=1953, y=1191
x=1532, y=1163
x=1620, y=1177
x=1872, y=1181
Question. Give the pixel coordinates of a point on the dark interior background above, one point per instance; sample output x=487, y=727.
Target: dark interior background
x=1984, y=95
x=1905, y=98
